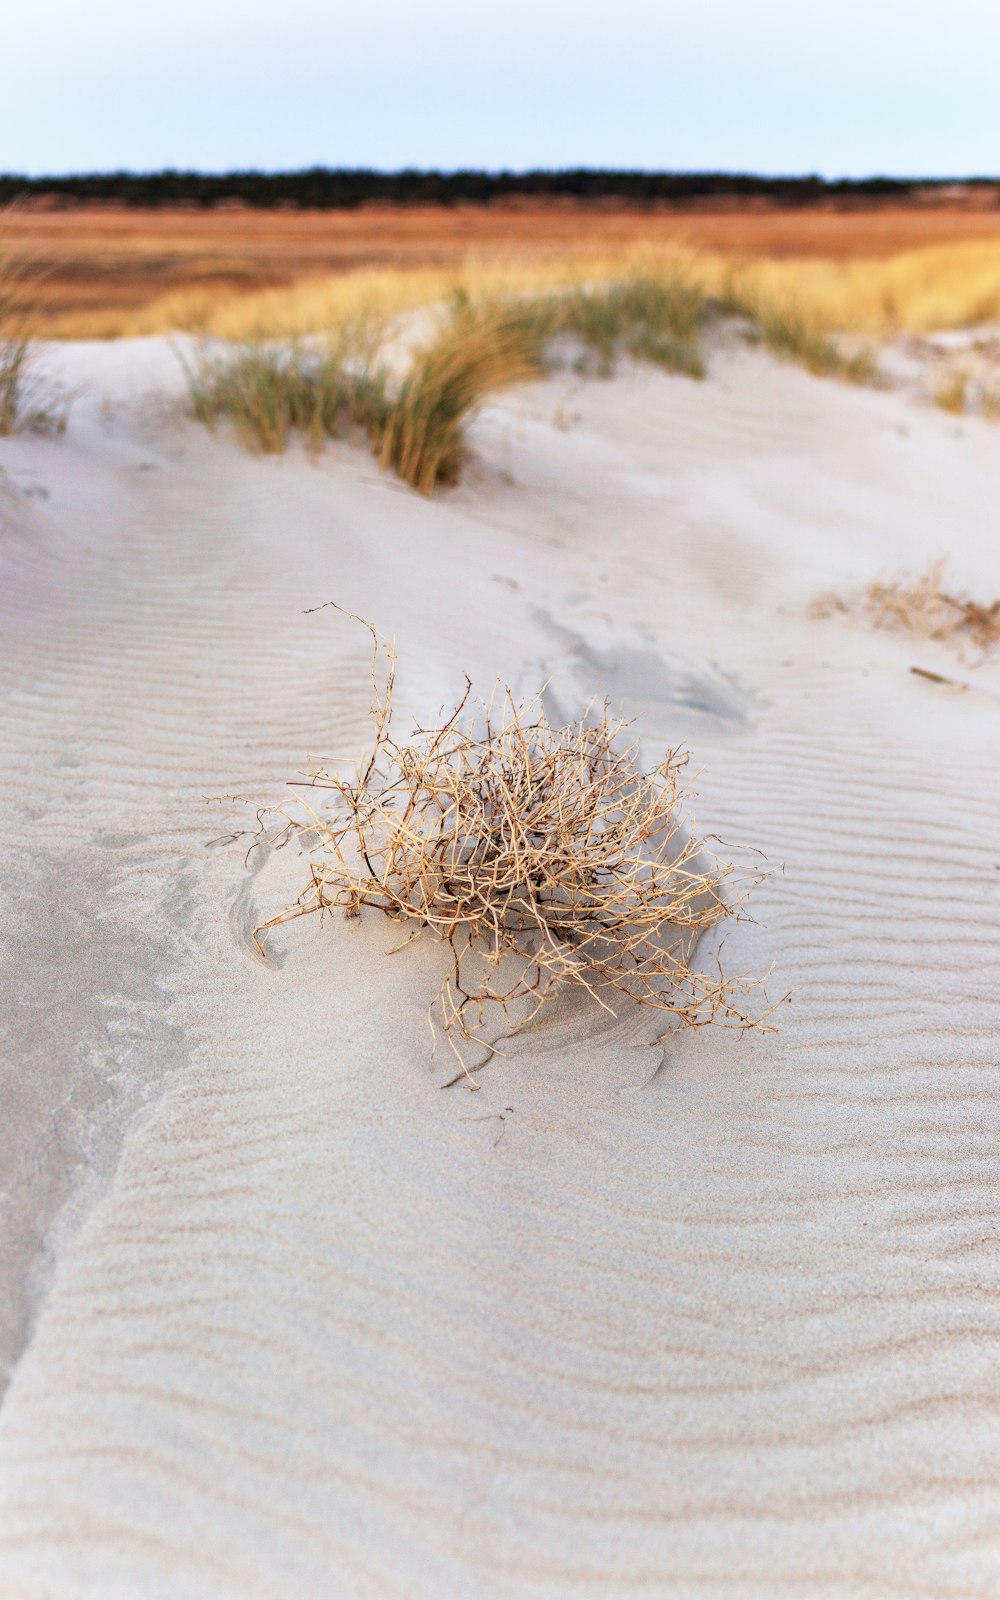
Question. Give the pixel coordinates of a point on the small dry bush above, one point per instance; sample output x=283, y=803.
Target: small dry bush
x=924, y=606
x=542, y=855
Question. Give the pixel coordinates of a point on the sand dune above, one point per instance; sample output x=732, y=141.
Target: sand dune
x=281, y=1318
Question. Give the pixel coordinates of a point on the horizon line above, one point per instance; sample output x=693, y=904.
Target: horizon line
x=500, y=173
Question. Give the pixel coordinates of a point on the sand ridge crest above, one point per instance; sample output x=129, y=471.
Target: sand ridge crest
x=321, y=1321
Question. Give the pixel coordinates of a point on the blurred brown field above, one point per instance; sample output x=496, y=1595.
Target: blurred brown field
x=110, y=269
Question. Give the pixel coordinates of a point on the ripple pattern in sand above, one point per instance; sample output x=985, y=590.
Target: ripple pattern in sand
x=729, y=1331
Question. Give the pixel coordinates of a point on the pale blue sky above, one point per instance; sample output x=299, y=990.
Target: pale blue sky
x=845, y=88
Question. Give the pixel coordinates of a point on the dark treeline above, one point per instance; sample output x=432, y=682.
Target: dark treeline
x=328, y=188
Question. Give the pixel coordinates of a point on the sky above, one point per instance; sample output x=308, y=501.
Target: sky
x=838, y=87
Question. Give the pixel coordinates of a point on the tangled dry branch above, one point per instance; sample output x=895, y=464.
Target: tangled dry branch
x=927, y=606
x=543, y=856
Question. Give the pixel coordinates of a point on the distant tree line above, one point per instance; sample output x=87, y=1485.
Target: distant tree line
x=330, y=188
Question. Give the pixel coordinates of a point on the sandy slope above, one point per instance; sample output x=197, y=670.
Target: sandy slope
x=297, y=1323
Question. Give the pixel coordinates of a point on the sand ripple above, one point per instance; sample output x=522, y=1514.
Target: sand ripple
x=317, y=1328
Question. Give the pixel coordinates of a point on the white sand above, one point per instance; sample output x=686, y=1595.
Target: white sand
x=285, y=1320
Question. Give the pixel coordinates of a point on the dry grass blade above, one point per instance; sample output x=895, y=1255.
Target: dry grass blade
x=924, y=606
x=415, y=418
x=951, y=393
x=24, y=402
x=342, y=386
x=326, y=389
x=478, y=351
x=791, y=334
x=14, y=344
x=650, y=318
x=543, y=855
x=13, y=368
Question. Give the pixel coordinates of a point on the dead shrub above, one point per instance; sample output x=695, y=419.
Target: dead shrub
x=924, y=606
x=542, y=855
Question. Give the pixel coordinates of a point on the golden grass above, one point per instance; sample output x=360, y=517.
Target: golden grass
x=925, y=606
x=801, y=304
x=13, y=367
x=918, y=291
x=25, y=401
x=476, y=352
x=318, y=304
x=989, y=401
x=653, y=315
x=14, y=344
x=114, y=270
x=415, y=422
x=942, y=287
x=792, y=334
x=951, y=393
x=270, y=390
x=543, y=856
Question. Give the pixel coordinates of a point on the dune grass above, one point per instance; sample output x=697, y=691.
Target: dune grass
x=476, y=351
x=413, y=400
x=989, y=401
x=13, y=367
x=544, y=856
x=26, y=401
x=484, y=346
x=792, y=336
x=347, y=386
x=415, y=419
x=269, y=391
x=794, y=331
x=951, y=393
x=655, y=310
x=646, y=317
x=15, y=350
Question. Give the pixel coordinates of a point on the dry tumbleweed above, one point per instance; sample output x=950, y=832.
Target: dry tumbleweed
x=543, y=855
x=926, y=606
